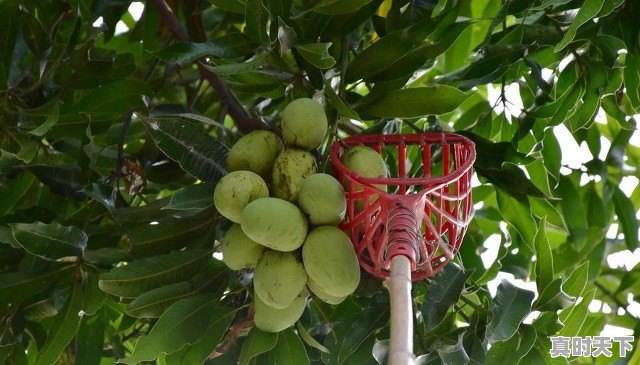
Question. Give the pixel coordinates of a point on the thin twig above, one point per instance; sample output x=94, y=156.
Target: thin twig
x=615, y=299
x=236, y=110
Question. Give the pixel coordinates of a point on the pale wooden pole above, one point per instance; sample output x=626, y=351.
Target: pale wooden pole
x=399, y=285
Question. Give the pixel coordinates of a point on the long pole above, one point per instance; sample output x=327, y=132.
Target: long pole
x=399, y=284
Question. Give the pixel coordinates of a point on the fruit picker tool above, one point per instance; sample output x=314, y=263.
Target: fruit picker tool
x=407, y=227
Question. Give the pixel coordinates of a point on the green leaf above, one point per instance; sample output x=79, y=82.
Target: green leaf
x=631, y=74
x=491, y=63
x=551, y=153
x=452, y=354
x=92, y=297
x=443, y=292
x=514, y=349
x=544, y=257
x=14, y=191
x=90, y=340
x=197, y=153
x=337, y=7
x=387, y=50
x=118, y=97
x=234, y=6
x=256, y=17
x=415, y=102
x=192, y=197
x=200, y=351
x=317, y=54
x=510, y=306
x=548, y=323
x=51, y=120
x=573, y=211
x=167, y=235
x=230, y=46
x=289, y=350
x=153, y=303
x=517, y=214
x=355, y=343
x=576, y=282
x=238, y=68
x=306, y=337
x=575, y=319
x=552, y=298
x=63, y=330
x=626, y=217
x=417, y=57
x=16, y=286
x=143, y=275
x=50, y=241
x=183, y=323
x=257, y=342
x=586, y=12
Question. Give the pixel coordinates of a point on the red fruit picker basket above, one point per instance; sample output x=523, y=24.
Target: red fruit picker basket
x=407, y=227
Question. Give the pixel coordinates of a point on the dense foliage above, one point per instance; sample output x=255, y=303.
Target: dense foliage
x=111, y=144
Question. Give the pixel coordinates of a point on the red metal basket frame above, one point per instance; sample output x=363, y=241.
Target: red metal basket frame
x=428, y=225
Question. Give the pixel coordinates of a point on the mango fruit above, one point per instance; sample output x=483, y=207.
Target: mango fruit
x=291, y=168
x=270, y=319
x=256, y=152
x=239, y=251
x=322, y=199
x=237, y=189
x=278, y=279
x=330, y=261
x=275, y=223
x=322, y=295
x=304, y=123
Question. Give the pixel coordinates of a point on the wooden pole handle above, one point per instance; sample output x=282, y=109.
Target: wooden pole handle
x=399, y=284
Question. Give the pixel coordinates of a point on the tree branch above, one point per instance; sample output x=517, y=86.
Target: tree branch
x=236, y=110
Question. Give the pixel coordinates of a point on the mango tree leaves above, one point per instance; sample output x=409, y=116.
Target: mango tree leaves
x=118, y=96
x=317, y=54
x=257, y=342
x=183, y=323
x=544, y=257
x=452, y=354
x=289, y=350
x=517, y=214
x=153, y=303
x=443, y=292
x=63, y=329
x=387, y=50
x=510, y=306
x=627, y=217
x=143, y=275
x=231, y=46
x=306, y=337
x=513, y=349
x=355, y=343
x=90, y=340
x=167, y=235
x=200, y=351
x=50, y=241
x=15, y=286
x=415, y=102
x=573, y=211
x=337, y=7
x=197, y=153
x=573, y=322
x=587, y=11
x=256, y=16
x=192, y=197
